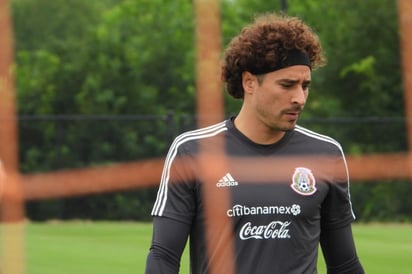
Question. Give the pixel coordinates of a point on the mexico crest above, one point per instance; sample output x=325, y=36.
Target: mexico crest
x=303, y=181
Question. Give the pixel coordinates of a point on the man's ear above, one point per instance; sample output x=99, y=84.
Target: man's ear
x=249, y=82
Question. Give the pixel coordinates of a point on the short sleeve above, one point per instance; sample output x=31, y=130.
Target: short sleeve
x=176, y=197
x=337, y=207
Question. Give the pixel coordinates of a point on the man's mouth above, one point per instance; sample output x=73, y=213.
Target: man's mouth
x=292, y=115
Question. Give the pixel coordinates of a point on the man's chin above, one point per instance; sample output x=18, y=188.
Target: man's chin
x=289, y=127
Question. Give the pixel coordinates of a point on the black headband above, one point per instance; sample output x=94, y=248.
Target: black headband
x=294, y=57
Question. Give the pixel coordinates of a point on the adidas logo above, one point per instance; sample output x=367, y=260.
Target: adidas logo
x=227, y=181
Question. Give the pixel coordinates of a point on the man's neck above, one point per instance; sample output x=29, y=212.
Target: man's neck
x=256, y=131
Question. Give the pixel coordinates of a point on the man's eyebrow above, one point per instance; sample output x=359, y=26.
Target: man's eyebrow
x=292, y=81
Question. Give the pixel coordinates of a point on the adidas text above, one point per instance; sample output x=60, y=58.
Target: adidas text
x=225, y=184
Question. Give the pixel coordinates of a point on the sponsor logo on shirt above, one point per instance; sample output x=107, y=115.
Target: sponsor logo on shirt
x=273, y=230
x=227, y=181
x=242, y=210
x=303, y=181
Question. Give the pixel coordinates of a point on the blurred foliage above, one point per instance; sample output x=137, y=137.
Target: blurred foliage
x=105, y=81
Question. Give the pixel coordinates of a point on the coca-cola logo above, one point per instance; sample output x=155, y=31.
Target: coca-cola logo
x=273, y=230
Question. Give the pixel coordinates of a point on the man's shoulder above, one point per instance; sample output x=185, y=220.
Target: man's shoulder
x=317, y=138
x=195, y=135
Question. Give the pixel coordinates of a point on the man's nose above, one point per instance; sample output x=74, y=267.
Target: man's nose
x=299, y=96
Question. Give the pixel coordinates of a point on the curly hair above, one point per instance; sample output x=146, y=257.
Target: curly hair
x=263, y=44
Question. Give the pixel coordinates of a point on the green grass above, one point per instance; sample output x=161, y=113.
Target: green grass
x=87, y=247
x=121, y=247
x=385, y=248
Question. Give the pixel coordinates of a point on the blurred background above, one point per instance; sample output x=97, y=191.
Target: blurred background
x=107, y=81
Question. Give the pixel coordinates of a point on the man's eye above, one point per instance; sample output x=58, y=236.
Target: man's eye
x=285, y=85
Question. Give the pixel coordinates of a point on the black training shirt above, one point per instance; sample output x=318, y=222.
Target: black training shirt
x=281, y=196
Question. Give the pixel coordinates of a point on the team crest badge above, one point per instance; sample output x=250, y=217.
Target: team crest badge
x=303, y=181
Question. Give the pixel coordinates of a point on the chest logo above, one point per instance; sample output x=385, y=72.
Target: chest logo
x=303, y=181
x=227, y=181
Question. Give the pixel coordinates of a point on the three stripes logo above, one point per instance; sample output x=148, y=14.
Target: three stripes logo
x=227, y=181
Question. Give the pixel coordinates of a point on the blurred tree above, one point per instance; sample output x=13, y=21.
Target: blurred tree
x=101, y=64
x=363, y=81
x=363, y=75
x=102, y=59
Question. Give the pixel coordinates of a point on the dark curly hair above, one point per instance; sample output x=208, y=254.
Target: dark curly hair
x=263, y=44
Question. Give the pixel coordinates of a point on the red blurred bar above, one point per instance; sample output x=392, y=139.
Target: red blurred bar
x=11, y=202
x=405, y=30
x=210, y=107
x=12, y=210
x=122, y=177
x=208, y=49
x=86, y=181
x=379, y=167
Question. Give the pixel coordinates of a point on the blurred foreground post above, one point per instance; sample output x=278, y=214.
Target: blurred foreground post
x=11, y=199
x=210, y=111
x=209, y=94
x=405, y=30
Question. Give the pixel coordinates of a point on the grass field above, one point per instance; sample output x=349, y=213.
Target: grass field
x=121, y=247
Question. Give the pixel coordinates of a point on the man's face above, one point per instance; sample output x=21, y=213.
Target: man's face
x=278, y=97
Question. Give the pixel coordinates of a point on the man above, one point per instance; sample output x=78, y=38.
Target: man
x=280, y=211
